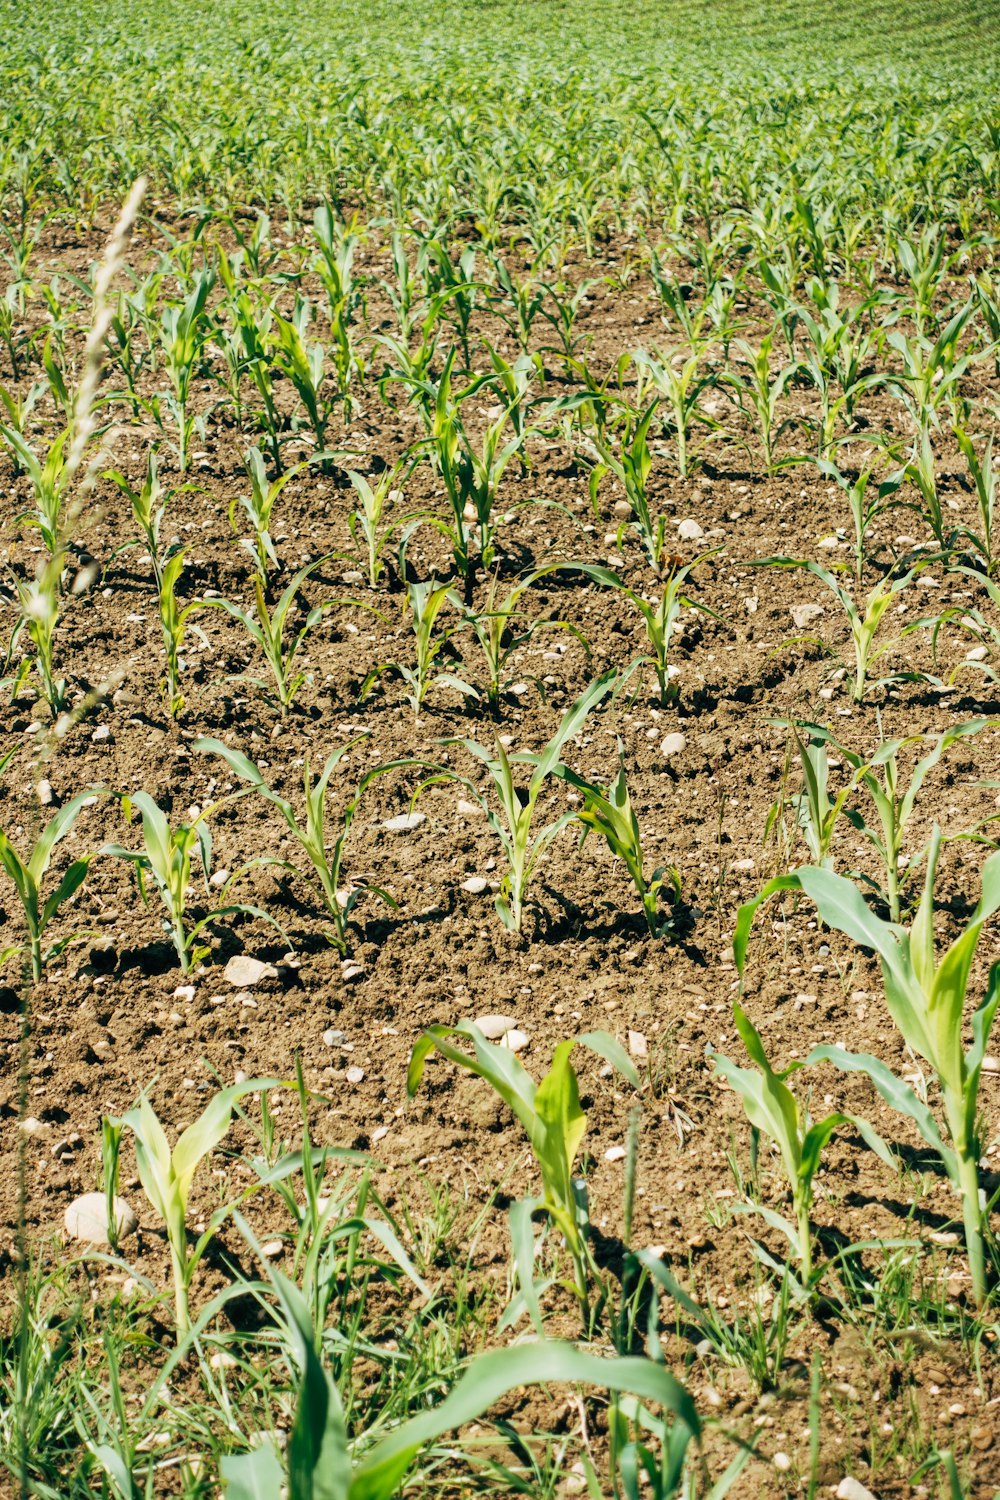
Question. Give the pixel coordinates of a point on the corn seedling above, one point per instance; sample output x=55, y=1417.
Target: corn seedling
x=926, y=999
x=774, y=1111
x=500, y=630
x=165, y=859
x=894, y=801
x=39, y=603
x=816, y=813
x=324, y=857
x=149, y=505
x=471, y=479
x=424, y=602
x=267, y=627
x=986, y=479
x=366, y=523
x=863, y=621
x=759, y=391
x=29, y=875
x=631, y=466
x=50, y=480
x=552, y=1118
x=168, y=1175
x=302, y=364
x=174, y=628
x=680, y=382
x=319, y=1453
x=258, y=506
x=931, y=371
x=865, y=506
x=182, y=332
x=253, y=331
x=659, y=615
x=522, y=847
x=610, y=814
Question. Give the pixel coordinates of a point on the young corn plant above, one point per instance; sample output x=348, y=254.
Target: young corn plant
x=267, y=629
x=816, y=813
x=302, y=364
x=610, y=814
x=774, y=1111
x=182, y=334
x=39, y=605
x=324, y=856
x=149, y=506
x=522, y=845
x=258, y=506
x=50, y=479
x=500, y=630
x=165, y=860
x=986, y=479
x=865, y=506
x=926, y=998
x=681, y=386
x=323, y=1462
x=19, y=407
x=631, y=466
x=369, y=533
x=659, y=615
x=931, y=370
x=471, y=480
x=28, y=876
x=253, y=329
x=174, y=629
x=553, y=1120
x=759, y=392
x=424, y=601
x=167, y=1177
x=863, y=621
x=893, y=799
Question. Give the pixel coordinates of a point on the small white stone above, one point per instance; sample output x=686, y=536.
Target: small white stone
x=405, y=822
x=355, y=1075
x=272, y=1249
x=637, y=1045
x=514, y=1040
x=470, y=809
x=782, y=1462
x=87, y=1219
x=242, y=970
x=102, y=732
x=218, y=879
x=673, y=744
x=853, y=1489
x=494, y=1027
x=31, y=1126
x=380, y=1134
x=991, y=1064
x=184, y=992
x=803, y=615
x=615, y=1153
x=350, y=972
x=978, y=653
x=45, y=793
x=475, y=885
x=689, y=531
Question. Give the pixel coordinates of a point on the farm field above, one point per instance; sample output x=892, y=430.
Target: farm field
x=499, y=754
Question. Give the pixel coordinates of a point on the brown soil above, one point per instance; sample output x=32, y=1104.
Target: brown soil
x=107, y=1021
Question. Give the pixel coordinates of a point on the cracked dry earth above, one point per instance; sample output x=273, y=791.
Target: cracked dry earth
x=115, y=1015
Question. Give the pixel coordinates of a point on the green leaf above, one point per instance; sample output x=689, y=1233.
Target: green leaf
x=252, y=1476
x=491, y=1376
